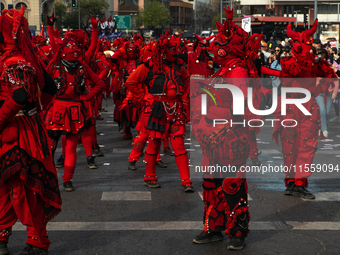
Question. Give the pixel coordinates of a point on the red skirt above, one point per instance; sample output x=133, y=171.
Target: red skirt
x=66, y=115
x=26, y=151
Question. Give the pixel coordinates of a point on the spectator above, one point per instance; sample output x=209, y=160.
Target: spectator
x=317, y=43
x=326, y=97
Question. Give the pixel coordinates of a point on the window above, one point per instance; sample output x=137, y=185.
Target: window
x=18, y=7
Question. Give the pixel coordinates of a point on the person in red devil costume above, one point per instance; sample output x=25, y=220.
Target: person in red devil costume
x=226, y=207
x=299, y=143
x=166, y=80
x=27, y=161
x=126, y=59
x=67, y=114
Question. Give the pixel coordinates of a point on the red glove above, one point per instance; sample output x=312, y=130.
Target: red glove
x=124, y=104
x=51, y=19
x=94, y=23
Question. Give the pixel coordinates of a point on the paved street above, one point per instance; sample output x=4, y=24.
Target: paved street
x=111, y=212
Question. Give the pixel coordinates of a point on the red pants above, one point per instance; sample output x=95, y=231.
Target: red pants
x=181, y=158
x=19, y=202
x=138, y=145
x=299, y=143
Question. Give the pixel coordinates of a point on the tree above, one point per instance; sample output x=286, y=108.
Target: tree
x=218, y=18
x=60, y=12
x=87, y=8
x=204, y=15
x=153, y=15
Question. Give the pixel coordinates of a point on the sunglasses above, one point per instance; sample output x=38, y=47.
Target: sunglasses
x=277, y=50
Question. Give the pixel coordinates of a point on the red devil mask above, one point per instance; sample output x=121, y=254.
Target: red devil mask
x=70, y=51
x=302, y=41
x=132, y=51
x=230, y=40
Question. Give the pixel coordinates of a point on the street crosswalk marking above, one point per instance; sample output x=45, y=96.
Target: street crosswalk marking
x=126, y=196
x=324, y=196
x=200, y=194
x=178, y=225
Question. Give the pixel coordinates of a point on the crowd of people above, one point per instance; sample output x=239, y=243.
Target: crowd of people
x=52, y=89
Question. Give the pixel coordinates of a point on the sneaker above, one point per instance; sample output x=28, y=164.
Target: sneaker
x=289, y=189
x=325, y=133
x=127, y=136
x=236, y=243
x=259, y=153
x=152, y=184
x=60, y=161
x=102, y=109
x=255, y=162
x=335, y=119
x=3, y=248
x=68, y=186
x=90, y=162
x=132, y=165
x=168, y=152
x=97, y=152
x=208, y=237
x=31, y=250
x=122, y=131
x=161, y=164
x=188, y=188
x=301, y=191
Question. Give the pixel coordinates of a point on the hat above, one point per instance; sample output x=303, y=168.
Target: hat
x=264, y=44
x=317, y=41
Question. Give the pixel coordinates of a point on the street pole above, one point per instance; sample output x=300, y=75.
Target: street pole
x=315, y=17
x=221, y=12
x=194, y=13
x=79, y=13
x=308, y=18
x=338, y=12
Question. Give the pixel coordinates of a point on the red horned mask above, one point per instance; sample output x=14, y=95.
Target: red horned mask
x=302, y=41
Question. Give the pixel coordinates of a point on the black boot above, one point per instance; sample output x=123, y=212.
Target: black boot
x=68, y=186
x=161, y=164
x=236, y=243
x=97, y=152
x=301, y=191
x=90, y=162
x=208, y=237
x=132, y=165
x=60, y=161
x=31, y=250
x=289, y=189
x=3, y=248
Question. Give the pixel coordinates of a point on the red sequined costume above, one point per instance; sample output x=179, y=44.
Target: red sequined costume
x=67, y=113
x=167, y=80
x=126, y=59
x=225, y=199
x=299, y=143
x=28, y=179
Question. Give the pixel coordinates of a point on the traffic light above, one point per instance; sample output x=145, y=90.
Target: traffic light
x=73, y=3
x=305, y=18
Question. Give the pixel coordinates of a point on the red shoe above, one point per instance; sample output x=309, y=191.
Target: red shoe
x=127, y=136
x=99, y=117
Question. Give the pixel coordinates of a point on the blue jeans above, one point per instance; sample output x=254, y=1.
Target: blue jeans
x=325, y=109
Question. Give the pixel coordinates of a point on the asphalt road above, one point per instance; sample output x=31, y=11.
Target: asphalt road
x=139, y=220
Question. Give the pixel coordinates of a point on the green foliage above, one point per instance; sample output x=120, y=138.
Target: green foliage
x=87, y=8
x=218, y=18
x=60, y=12
x=153, y=15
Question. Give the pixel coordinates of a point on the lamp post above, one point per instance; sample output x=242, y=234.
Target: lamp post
x=42, y=11
x=296, y=12
x=315, y=17
x=79, y=14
